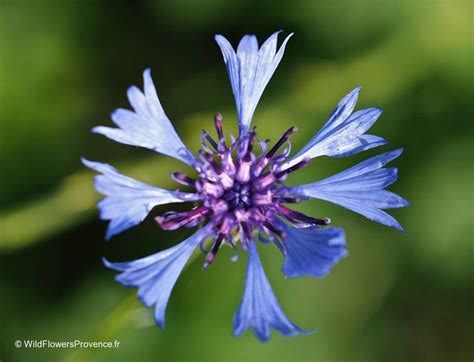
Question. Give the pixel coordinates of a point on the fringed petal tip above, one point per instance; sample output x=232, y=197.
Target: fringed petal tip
x=361, y=189
x=156, y=275
x=344, y=132
x=147, y=74
x=107, y=263
x=259, y=309
x=266, y=337
x=351, y=97
x=90, y=164
x=127, y=202
x=147, y=124
x=249, y=69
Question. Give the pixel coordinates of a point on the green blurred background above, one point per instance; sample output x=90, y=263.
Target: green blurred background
x=65, y=66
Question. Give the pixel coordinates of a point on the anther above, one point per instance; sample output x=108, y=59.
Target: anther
x=218, y=124
x=264, y=181
x=246, y=231
x=243, y=174
x=172, y=220
x=212, y=254
x=182, y=179
x=289, y=199
x=274, y=230
x=252, y=140
x=301, y=164
x=209, y=139
x=293, y=215
x=281, y=141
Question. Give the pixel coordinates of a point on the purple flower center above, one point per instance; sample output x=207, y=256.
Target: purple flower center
x=239, y=196
x=241, y=193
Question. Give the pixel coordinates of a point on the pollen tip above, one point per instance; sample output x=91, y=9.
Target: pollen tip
x=218, y=118
x=209, y=259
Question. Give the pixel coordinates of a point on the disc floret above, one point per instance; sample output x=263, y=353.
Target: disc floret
x=241, y=190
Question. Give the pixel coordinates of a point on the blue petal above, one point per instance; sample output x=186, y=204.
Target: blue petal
x=156, y=275
x=343, y=134
x=312, y=251
x=259, y=309
x=250, y=70
x=127, y=200
x=147, y=126
x=361, y=189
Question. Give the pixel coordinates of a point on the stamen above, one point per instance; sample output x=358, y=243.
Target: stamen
x=252, y=140
x=218, y=124
x=281, y=141
x=264, y=181
x=293, y=215
x=210, y=188
x=227, y=225
x=173, y=220
x=245, y=145
x=264, y=161
x=246, y=231
x=274, y=230
x=219, y=207
x=243, y=174
x=181, y=178
x=262, y=199
x=301, y=164
x=208, y=162
x=289, y=199
x=209, y=139
x=263, y=145
x=260, y=166
x=212, y=254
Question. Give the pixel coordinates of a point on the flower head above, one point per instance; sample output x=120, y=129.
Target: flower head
x=239, y=192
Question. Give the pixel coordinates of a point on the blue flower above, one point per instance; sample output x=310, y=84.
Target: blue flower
x=239, y=193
